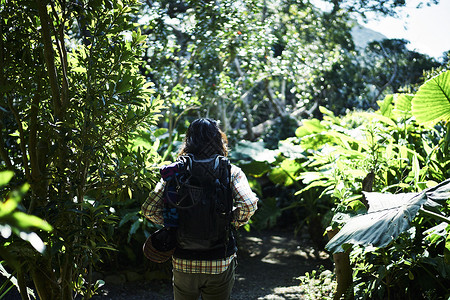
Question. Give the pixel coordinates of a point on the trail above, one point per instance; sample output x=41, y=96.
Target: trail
x=269, y=264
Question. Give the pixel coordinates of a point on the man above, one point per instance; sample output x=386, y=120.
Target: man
x=209, y=274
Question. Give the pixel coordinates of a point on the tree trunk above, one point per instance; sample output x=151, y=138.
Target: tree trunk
x=22, y=285
x=44, y=281
x=52, y=284
x=343, y=270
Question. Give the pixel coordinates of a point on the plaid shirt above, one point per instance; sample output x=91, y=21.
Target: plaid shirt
x=245, y=202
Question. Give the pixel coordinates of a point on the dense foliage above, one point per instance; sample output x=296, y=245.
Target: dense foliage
x=94, y=95
x=72, y=99
x=401, y=148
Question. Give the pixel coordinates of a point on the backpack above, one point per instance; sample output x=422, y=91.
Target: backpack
x=200, y=192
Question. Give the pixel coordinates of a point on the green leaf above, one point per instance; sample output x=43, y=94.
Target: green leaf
x=79, y=70
x=291, y=150
x=328, y=113
x=7, y=207
x=403, y=106
x=431, y=103
x=245, y=150
x=314, y=184
x=309, y=127
x=160, y=131
x=123, y=85
x=386, y=106
x=134, y=228
x=98, y=284
x=356, y=206
x=5, y=177
x=410, y=275
x=345, y=141
x=268, y=213
x=436, y=233
x=285, y=174
x=379, y=117
x=128, y=217
x=26, y=221
x=145, y=143
x=256, y=168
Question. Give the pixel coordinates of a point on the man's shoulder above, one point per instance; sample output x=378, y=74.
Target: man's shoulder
x=235, y=170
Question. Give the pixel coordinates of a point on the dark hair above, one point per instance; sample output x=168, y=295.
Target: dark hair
x=204, y=138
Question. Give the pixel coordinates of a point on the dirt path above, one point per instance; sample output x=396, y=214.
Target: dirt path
x=269, y=263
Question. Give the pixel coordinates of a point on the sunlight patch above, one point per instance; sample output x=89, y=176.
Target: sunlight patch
x=288, y=292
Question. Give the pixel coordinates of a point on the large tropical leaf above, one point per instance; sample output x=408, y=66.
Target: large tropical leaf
x=285, y=173
x=386, y=106
x=387, y=217
x=431, y=104
x=248, y=151
x=403, y=105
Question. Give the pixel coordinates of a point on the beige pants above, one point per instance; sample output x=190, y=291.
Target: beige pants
x=188, y=286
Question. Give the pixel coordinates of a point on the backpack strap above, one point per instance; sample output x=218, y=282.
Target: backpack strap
x=190, y=158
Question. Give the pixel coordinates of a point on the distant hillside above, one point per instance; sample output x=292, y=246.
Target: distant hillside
x=362, y=36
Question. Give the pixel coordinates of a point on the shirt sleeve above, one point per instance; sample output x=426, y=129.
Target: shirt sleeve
x=245, y=201
x=152, y=209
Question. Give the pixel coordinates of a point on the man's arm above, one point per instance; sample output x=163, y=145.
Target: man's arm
x=245, y=200
x=152, y=208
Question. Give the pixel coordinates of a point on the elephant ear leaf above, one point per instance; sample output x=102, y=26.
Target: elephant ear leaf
x=387, y=217
x=403, y=105
x=431, y=103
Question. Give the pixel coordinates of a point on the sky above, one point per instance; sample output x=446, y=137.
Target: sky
x=427, y=28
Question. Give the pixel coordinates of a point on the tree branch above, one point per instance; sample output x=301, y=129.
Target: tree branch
x=3, y=152
x=273, y=99
x=245, y=105
x=50, y=58
x=37, y=154
x=21, y=138
x=32, y=137
x=60, y=43
x=391, y=79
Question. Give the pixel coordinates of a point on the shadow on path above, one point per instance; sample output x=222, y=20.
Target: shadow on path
x=269, y=263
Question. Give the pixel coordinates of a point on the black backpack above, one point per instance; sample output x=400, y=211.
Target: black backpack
x=201, y=194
